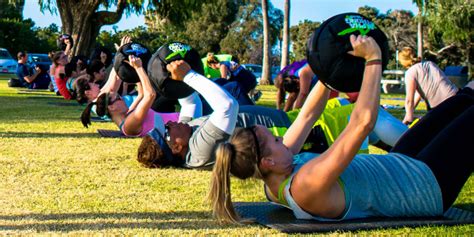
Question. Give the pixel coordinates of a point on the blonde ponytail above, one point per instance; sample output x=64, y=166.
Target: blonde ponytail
x=220, y=195
x=240, y=158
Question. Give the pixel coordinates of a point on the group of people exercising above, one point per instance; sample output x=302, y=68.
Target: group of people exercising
x=313, y=159
x=312, y=151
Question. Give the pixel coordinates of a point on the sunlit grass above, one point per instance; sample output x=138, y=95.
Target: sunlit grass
x=58, y=177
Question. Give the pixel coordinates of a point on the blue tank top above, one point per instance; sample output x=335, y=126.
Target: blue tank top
x=230, y=65
x=391, y=185
x=314, y=80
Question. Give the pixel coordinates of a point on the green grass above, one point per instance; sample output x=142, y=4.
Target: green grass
x=60, y=178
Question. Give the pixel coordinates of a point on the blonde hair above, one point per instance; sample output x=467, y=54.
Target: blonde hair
x=407, y=57
x=238, y=157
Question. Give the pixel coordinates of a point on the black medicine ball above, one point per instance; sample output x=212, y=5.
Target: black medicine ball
x=60, y=41
x=126, y=72
x=160, y=77
x=328, y=46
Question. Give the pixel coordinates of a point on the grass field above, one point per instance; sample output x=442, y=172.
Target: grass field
x=57, y=177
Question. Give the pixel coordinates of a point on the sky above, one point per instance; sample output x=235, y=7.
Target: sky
x=314, y=10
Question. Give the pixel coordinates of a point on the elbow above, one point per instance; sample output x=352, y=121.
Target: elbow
x=230, y=106
x=366, y=121
x=368, y=124
x=150, y=95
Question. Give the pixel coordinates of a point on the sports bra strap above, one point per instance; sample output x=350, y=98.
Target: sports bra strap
x=123, y=121
x=281, y=196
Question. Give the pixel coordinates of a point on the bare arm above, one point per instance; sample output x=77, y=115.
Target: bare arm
x=306, y=75
x=280, y=95
x=410, y=104
x=290, y=101
x=318, y=178
x=31, y=78
x=417, y=99
x=134, y=121
x=310, y=112
x=139, y=97
x=224, y=71
x=68, y=47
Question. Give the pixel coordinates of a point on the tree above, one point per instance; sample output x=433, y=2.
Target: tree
x=420, y=4
x=17, y=34
x=12, y=9
x=265, y=80
x=83, y=19
x=286, y=36
x=245, y=37
x=46, y=39
x=401, y=30
x=398, y=26
x=452, y=22
x=299, y=36
x=207, y=27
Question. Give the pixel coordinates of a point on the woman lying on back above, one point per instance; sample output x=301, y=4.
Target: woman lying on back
x=137, y=121
x=421, y=176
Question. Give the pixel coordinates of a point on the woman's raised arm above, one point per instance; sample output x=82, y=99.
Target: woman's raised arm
x=134, y=121
x=319, y=176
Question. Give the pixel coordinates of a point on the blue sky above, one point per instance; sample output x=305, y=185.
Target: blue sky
x=314, y=10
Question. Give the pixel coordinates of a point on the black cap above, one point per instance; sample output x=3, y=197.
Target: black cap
x=126, y=72
x=328, y=46
x=159, y=75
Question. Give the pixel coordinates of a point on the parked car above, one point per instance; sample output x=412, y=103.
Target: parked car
x=255, y=69
x=7, y=63
x=36, y=59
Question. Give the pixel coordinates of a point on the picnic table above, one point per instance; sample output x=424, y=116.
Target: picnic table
x=396, y=79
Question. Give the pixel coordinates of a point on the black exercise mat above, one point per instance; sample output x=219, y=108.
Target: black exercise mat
x=282, y=219
x=111, y=133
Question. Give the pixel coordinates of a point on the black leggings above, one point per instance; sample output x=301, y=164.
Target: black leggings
x=246, y=78
x=164, y=105
x=442, y=139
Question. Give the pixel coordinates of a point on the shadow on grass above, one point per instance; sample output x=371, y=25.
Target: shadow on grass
x=193, y=220
x=37, y=93
x=45, y=135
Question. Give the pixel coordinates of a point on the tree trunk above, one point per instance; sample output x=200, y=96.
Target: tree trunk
x=286, y=36
x=82, y=21
x=420, y=31
x=265, y=80
x=468, y=63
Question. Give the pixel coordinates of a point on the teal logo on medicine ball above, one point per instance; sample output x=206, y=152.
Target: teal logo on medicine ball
x=178, y=48
x=357, y=23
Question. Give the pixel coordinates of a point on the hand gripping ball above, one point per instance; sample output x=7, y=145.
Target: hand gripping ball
x=60, y=41
x=160, y=77
x=328, y=46
x=124, y=70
